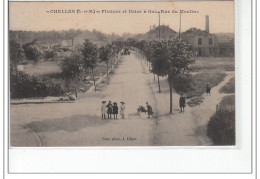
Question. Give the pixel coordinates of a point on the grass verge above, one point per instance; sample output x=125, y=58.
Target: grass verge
x=229, y=87
x=214, y=64
x=195, y=86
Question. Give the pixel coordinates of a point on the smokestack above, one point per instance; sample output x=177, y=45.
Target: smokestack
x=150, y=27
x=207, y=24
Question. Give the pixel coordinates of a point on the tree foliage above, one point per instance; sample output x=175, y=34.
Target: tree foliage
x=104, y=55
x=32, y=51
x=159, y=58
x=71, y=68
x=180, y=57
x=89, y=52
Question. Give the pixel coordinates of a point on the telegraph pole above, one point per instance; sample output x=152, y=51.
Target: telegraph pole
x=159, y=27
x=180, y=28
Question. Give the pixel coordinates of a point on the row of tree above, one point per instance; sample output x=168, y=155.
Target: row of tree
x=170, y=58
x=87, y=58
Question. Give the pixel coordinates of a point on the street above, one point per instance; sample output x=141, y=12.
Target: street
x=80, y=124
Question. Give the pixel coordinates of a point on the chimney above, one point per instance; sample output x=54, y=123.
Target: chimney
x=207, y=24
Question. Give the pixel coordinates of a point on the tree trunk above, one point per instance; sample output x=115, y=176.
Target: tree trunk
x=107, y=68
x=94, y=79
x=159, y=83
x=154, y=76
x=170, y=84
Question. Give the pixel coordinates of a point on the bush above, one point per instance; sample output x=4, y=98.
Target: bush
x=229, y=87
x=221, y=127
x=23, y=85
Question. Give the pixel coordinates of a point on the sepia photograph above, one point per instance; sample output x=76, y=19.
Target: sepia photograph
x=89, y=74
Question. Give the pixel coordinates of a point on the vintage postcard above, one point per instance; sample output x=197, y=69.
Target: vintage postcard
x=88, y=74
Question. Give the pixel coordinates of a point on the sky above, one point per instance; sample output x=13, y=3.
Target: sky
x=37, y=16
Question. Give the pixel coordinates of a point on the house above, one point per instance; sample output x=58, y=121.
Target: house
x=162, y=32
x=203, y=43
x=226, y=44
x=206, y=44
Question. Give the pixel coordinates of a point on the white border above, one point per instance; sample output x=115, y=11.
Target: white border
x=159, y=160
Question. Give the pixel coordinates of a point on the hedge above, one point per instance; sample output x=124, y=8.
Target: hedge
x=23, y=85
x=221, y=127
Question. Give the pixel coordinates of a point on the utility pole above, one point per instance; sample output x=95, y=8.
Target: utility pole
x=180, y=28
x=159, y=27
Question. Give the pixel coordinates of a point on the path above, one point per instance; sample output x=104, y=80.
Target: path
x=189, y=128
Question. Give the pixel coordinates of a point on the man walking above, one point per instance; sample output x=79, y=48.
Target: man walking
x=182, y=102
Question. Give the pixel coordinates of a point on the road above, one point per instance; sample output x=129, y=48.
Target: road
x=80, y=124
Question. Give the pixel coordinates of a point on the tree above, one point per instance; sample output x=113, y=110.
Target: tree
x=32, y=51
x=104, y=54
x=89, y=52
x=148, y=52
x=16, y=52
x=71, y=69
x=179, y=56
x=160, y=64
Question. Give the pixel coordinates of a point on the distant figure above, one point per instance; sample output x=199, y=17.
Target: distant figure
x=149, y=110
x=76, y=94
x=115, y=110
x=103, y=110
x=208, y=89
x=109, y=110
x=182, y=102
x=122, y=110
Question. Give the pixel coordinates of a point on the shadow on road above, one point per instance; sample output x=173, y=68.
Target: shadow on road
x=70, y=124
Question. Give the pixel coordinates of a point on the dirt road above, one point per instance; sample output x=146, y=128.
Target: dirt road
x=80, y=124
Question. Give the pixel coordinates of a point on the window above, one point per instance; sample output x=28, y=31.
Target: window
x=200, y=41
x=210, y=41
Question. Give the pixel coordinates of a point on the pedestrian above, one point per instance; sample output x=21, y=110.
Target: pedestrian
x=122, y=109
x=103, y=110
x=115, y=110
x=109, y=110
x=208, y=89
x=149, y=110
x=182, y=102
x=76, y=94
